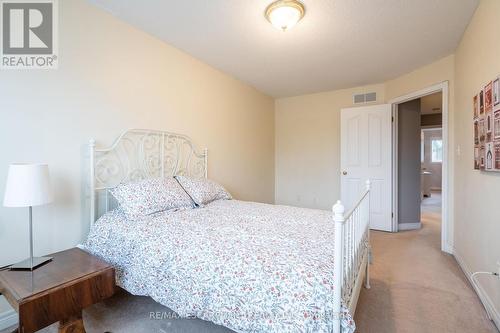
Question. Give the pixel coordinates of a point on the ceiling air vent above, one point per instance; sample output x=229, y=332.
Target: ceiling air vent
x=364, y=98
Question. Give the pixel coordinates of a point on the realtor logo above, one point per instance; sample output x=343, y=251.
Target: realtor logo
x=29, y=34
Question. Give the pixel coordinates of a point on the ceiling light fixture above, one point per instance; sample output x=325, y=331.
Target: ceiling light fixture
x=284, y=14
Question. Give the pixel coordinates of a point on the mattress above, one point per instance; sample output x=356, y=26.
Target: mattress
x=249, y=266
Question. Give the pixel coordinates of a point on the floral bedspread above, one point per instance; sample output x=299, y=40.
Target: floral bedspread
x=248, y=266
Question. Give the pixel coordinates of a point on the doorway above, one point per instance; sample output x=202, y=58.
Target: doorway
x=420, y=183
x=431, y=174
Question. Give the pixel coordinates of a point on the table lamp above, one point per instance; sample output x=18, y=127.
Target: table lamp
x=28, y=185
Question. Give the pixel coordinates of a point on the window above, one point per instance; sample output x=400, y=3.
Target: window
x=437, y=150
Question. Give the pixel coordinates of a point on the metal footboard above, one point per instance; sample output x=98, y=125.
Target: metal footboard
x=351, y=251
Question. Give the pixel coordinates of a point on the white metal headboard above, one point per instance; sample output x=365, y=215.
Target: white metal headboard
x=140, y=154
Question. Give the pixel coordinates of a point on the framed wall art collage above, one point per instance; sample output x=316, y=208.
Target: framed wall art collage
x=487, y=127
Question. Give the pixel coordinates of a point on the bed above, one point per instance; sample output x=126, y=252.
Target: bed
x=249, y=266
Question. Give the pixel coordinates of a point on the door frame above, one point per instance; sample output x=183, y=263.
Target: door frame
x=446, y=181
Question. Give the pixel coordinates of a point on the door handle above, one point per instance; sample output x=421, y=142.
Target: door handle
x=344, y=173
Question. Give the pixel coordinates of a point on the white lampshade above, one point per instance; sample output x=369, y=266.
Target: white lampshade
x=27, y=185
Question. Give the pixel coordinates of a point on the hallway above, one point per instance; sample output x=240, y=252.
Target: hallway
x=417, y=288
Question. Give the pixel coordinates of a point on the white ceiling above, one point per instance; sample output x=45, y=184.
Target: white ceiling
x=338, y=44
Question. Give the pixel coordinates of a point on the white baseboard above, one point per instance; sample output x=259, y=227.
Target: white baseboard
x=483, y=296
x=448, y=248
x=7, y=319
x=409, y=226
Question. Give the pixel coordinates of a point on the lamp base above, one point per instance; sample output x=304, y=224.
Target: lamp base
x=25, y=265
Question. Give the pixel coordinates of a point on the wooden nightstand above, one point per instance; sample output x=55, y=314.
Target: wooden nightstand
x=58, y=291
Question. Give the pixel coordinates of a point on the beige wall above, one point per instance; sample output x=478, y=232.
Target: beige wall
x=308, y=134
x=477, y=222
x=308, y=146
x=436, y=72
x=112, y=77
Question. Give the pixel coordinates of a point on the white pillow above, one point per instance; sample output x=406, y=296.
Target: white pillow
x=150, y=196
x=203, y=191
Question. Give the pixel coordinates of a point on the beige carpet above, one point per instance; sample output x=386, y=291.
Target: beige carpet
x=415, y=288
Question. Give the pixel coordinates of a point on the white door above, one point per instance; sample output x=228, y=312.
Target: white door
x=366, y=153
